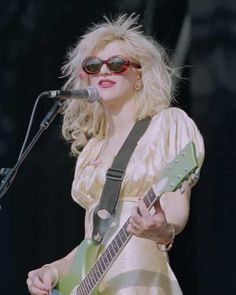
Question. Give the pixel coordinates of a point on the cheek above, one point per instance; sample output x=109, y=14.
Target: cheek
x=92, y=79
x=128, y=83
x=82, y=75
x=124, y=88
x=131, y=78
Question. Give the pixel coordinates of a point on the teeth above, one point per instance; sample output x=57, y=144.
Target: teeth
x=107, y=83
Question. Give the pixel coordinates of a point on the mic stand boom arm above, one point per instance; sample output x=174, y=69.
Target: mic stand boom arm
x=10, y=173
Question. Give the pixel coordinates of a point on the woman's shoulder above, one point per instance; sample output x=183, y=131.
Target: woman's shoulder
x=174, y=128
x=173, y=117
x=171, y=113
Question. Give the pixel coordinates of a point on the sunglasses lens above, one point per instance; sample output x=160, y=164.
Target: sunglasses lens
x=117, y=64
x=92, y=65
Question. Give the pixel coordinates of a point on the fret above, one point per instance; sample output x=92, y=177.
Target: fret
x=123, y=235
x=150, y=198
x=88, y=284
x=125, y=228
x=119, y=242
x=153, y=196
x=79, y=291
x=100, y=266
x=147, y=200
x=108, y=254
x=116, y=246
x=93, y=279
x=102, y=263
x=112, y=251
x=83, y=288
x=104, y=258
x=94, y=273
x=97, y=271
x=91, y=282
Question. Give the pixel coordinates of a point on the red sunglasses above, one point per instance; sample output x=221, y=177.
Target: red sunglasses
x=117, y=64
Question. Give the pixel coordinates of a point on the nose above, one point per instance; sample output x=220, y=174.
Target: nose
x=104, y=70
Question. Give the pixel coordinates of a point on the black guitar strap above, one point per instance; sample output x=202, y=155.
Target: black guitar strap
x=104, y=212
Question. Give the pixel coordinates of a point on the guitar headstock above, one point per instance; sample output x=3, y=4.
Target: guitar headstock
x=178, y=170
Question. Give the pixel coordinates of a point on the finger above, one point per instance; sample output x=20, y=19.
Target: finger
x=133, y=223
x=29, y=282
x=48, y=279
x=158, y=208
x=133, y=230
x=159, y=216
x=32, y=273
x=35, y=291
x=38, y=283
x=144, y=212
x=135, y=215
x=135, y=212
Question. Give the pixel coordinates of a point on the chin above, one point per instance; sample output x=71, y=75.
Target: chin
x=108, y=95
x=109, y=100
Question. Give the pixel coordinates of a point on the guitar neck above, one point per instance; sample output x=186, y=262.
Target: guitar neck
x=111, y=252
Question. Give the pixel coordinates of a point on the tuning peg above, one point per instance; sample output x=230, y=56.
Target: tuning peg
x=193, y=179
x=3, y=171
x=182, y=190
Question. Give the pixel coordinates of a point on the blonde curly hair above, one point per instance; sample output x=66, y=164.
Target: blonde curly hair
x=83, y=120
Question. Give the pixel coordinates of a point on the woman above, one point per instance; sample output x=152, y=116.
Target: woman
x=134, y=81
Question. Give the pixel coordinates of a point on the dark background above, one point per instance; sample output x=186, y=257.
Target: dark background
x=39, y=222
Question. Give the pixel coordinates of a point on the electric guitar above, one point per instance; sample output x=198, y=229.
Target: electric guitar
x=87, y=269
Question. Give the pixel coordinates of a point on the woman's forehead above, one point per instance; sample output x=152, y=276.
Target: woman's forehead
x=114, y=47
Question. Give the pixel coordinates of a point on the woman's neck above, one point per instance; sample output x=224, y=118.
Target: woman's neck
x=120, y=119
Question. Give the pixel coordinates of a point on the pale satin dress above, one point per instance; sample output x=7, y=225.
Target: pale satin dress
x=141, y=268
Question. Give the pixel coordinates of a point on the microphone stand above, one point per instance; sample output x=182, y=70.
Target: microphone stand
x=10, y=173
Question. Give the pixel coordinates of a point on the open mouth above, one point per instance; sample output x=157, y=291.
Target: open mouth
x=106, y=83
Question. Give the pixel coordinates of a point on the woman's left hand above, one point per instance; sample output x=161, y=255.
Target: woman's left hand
x=145, y=225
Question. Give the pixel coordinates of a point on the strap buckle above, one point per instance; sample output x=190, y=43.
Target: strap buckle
x=115, y=174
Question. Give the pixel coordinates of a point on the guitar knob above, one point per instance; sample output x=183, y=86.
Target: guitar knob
x=97, y=237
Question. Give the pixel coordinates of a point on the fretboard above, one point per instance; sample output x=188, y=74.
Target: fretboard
x=110, y=254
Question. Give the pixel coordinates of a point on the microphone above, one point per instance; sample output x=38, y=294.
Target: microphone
x=90, y=94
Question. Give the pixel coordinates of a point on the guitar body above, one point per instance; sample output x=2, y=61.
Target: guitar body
x=85, y=258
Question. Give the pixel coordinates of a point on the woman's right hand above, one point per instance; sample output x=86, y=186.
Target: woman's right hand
x=41, y=280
